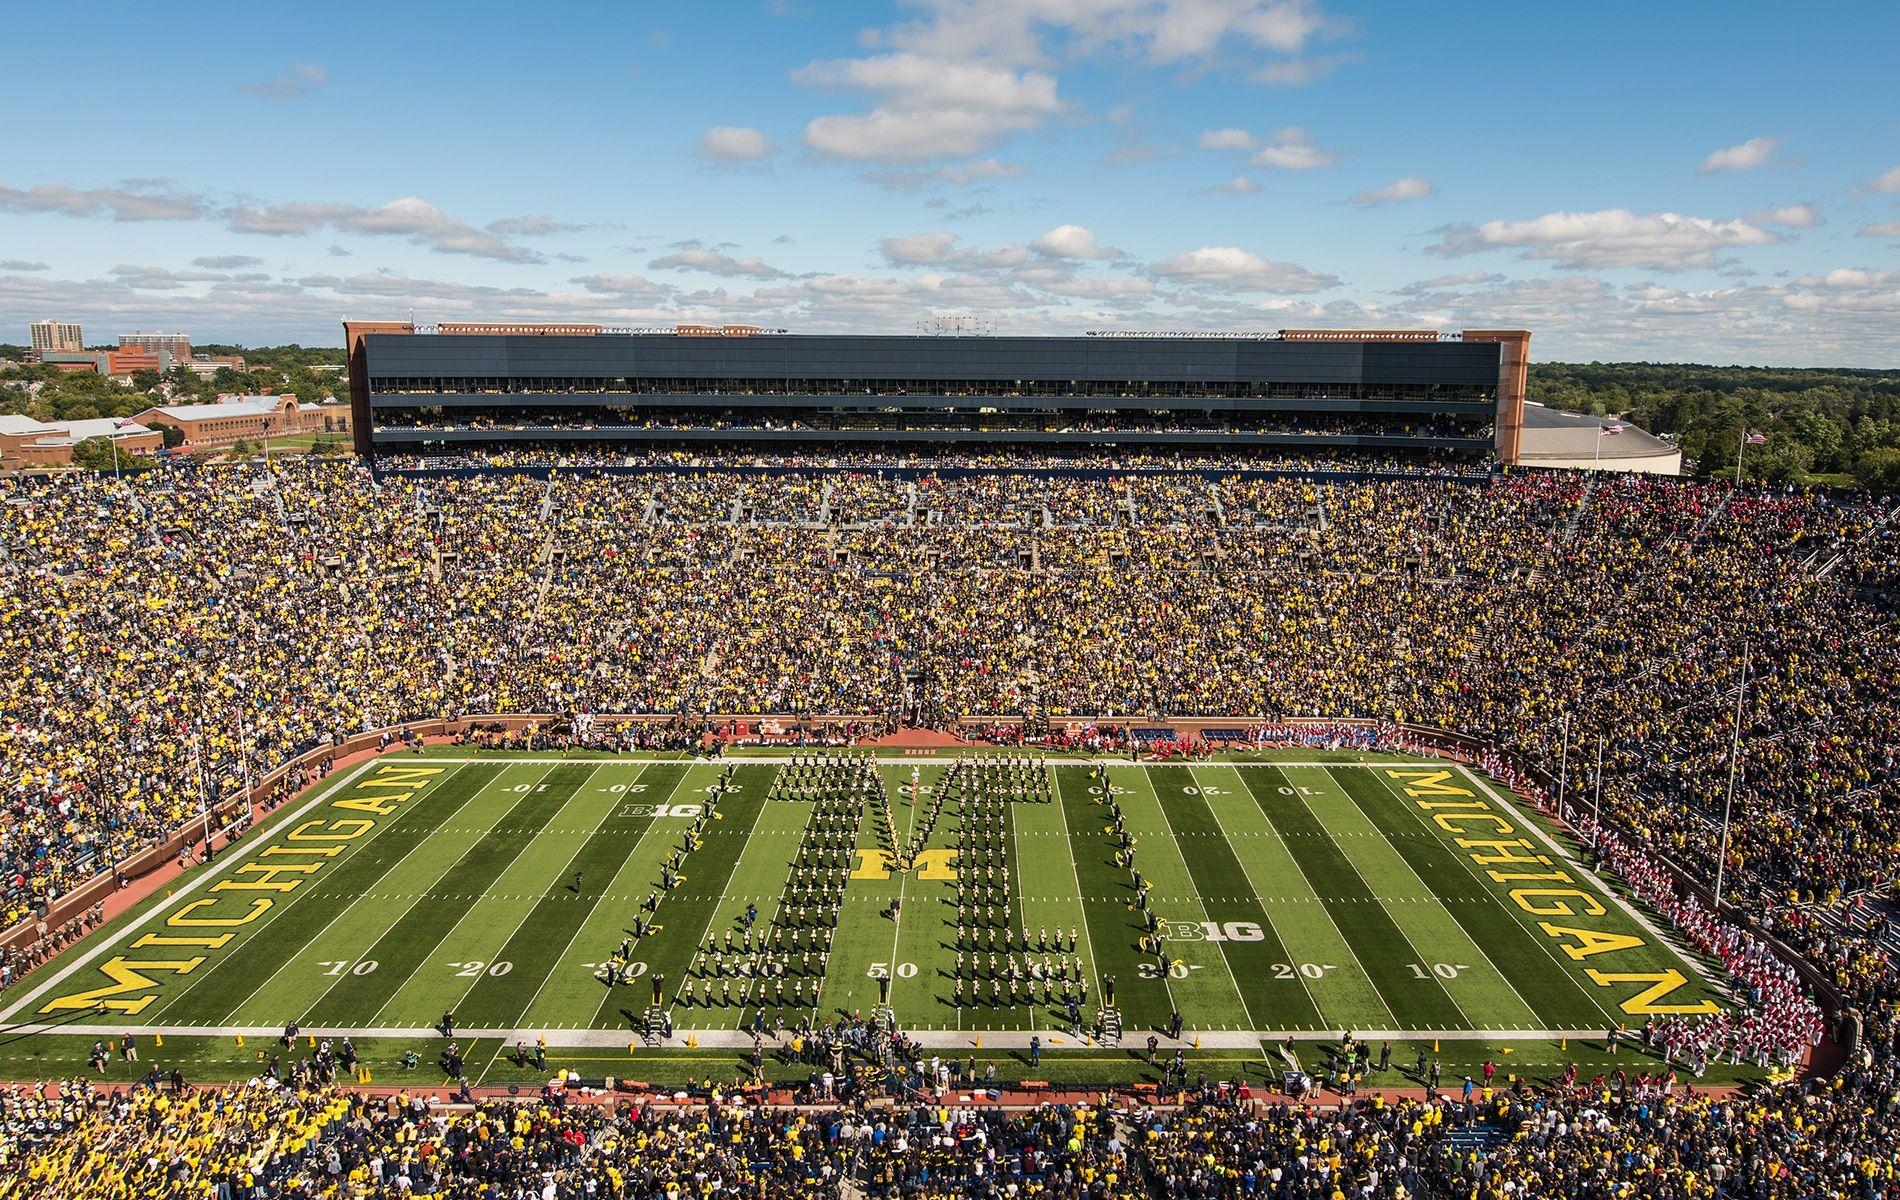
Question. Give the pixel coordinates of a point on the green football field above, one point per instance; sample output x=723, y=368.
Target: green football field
x=1306, y=894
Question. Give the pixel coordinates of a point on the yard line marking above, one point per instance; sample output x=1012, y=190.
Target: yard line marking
x=290, y=959
x=423, y=962
x=251, y=846
x=1168, y=828
x=712, y=910
x=1403, y=932
x=1062, y=817
x=1327, y=912
x=1268, y=916
x=1427, y=889
x=713, y=1037
x=771, y=916
x=653, y=827
x=782, y=760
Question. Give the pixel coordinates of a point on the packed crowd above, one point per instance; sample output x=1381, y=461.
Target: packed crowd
x=169, y=635
x=1608, y=1138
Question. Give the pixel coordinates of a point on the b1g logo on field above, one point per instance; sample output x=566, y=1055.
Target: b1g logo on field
x=689, y=811
x=1212, y=931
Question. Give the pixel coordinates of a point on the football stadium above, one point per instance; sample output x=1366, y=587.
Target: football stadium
x=949, y=600
x=834, y=761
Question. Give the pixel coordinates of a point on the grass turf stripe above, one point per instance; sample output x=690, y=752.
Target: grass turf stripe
x=1435, y=923
x=1273, y=999
x=1379, y=944
x=544, y=934
x=1558, y=988
x=400, y=950
x=1113, y=927
x=1345, y=995
x=1200, y=982
x=689, y=910
x=570, y=996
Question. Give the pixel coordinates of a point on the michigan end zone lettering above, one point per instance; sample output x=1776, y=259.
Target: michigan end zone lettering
x=1537, y=885
x=249, y=892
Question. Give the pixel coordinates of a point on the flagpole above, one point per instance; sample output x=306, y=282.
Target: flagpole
x=1734, y=765
x=1740, y=445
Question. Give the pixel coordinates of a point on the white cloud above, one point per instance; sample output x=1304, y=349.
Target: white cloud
x=927, y=107
x=1156, y=32
x=1755, y=152
x=1441, y=282
x=1610, y=238
x=622, y=285
x=227, y=262
x=1288, y=149
x=1410, y=187
x=160, y=278
x=135, y=200
x=1239, y=185
x=971, y=174
x=1232, y=269
x=410, y=218
x=1293, y=149
x=1072, y=241
x=293, y=84
x=918, y=249
x=19, y=264
x=715, y=262
x=1225, y=139
x=1886, y=183
x=1882, y=229
x=1792, y=216
x=1854, y=279
x=733, y=144
x=531, y=227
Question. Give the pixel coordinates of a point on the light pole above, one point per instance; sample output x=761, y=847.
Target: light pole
x=1563, y=768
x=1734, y=766
x=1596, y=808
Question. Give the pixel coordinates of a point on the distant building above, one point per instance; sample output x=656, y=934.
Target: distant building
x=204, y=366
x=235, y=419
x=179, y=344
x=26, y=443
x=118, y=364
x=1571, y=441
x=51, y=337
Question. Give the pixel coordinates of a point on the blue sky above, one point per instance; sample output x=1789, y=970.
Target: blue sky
x=1701, y=182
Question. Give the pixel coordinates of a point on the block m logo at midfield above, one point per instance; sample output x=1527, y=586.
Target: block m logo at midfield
x=936, y=863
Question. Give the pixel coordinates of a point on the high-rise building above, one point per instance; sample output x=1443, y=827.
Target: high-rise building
x=178, y=343
x=54, y=337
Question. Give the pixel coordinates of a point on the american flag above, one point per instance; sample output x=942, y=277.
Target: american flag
x=1611, y=430
x=1757, y=439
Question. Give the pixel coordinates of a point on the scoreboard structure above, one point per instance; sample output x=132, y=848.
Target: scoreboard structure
x=445, y=388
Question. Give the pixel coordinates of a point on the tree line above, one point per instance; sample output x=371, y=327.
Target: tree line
x=1823, y=425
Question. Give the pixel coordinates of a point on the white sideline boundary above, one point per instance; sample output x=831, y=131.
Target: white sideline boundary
x=734, y=1039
